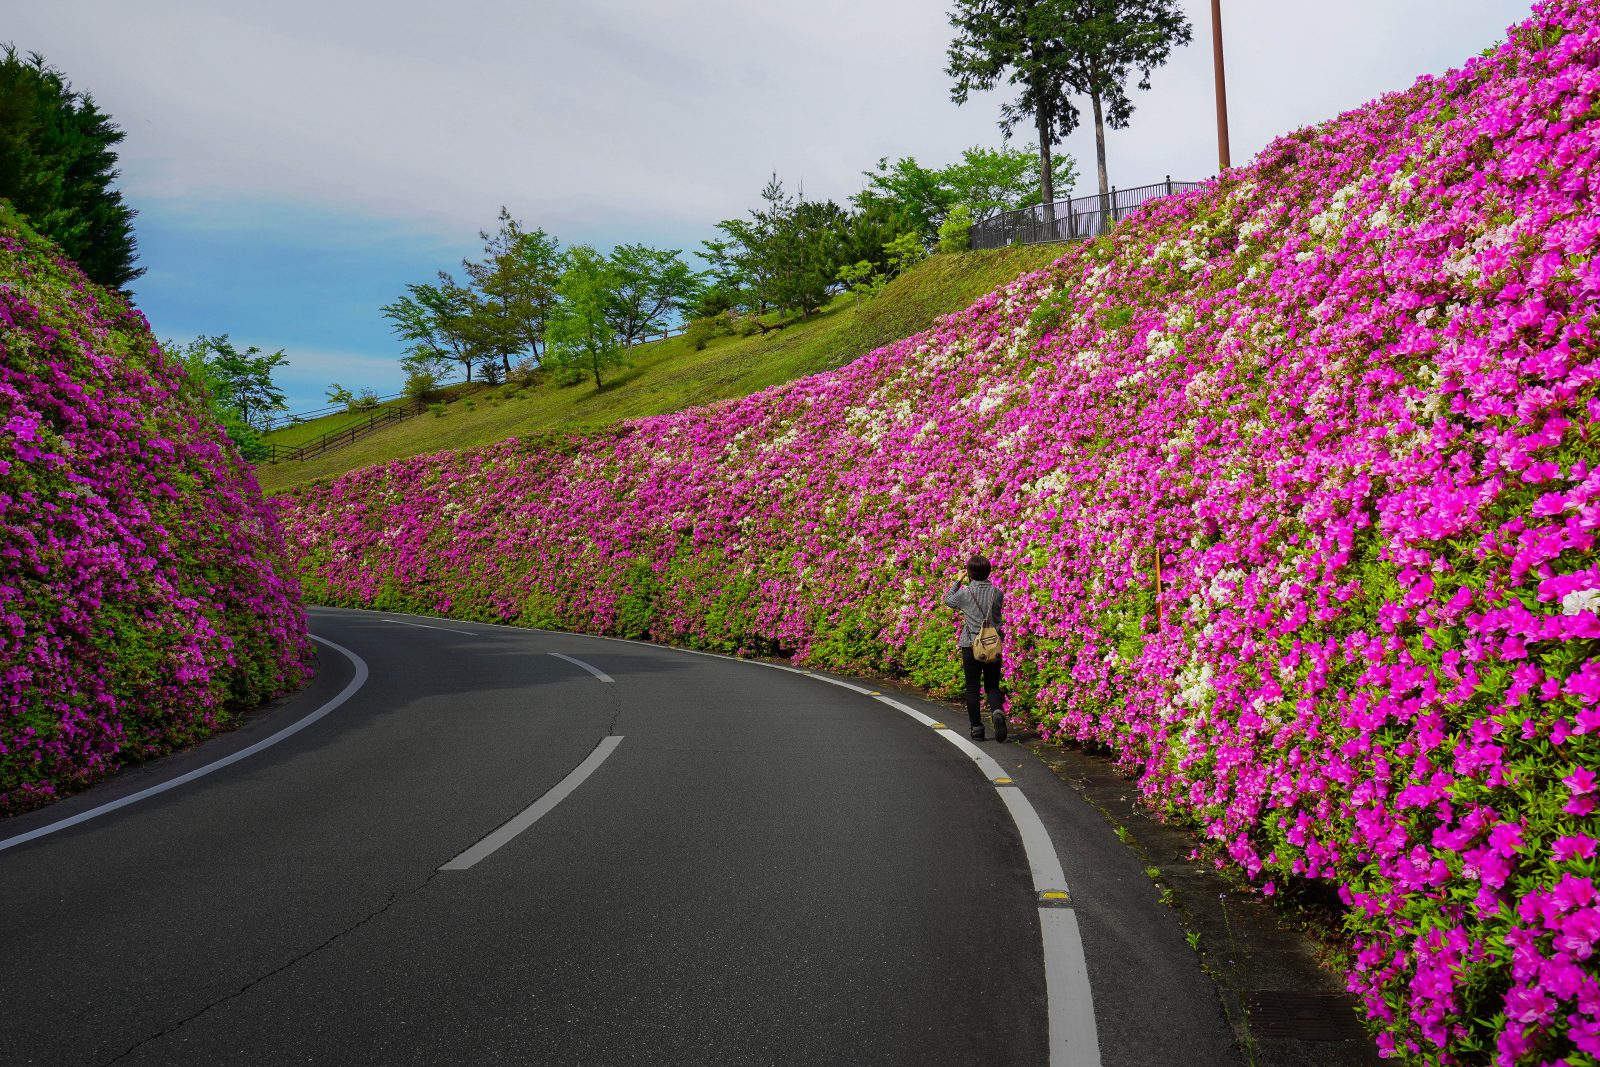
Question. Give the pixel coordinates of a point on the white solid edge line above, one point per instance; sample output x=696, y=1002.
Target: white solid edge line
x=267, y=742
x=1074, y=1041
x=1043, y=862
x=926, y=720
x=425, y=626
x=977, y=755
x=596, y=671
x=841, y=683
x=538, y=809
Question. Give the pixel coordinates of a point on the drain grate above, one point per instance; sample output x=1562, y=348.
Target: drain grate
x=1303, y=1016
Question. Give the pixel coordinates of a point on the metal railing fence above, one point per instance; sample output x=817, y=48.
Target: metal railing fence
x=1077, y=219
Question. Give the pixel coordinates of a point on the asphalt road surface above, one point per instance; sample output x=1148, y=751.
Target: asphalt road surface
x=485, y=845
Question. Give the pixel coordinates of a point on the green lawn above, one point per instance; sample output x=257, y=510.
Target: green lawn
x=670, y=375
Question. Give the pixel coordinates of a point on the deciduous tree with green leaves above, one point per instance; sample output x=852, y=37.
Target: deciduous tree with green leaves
x=647, y=285
x=238, y=385
x=919, y=192
x=1054, y=50
x=581, y=334
x=989, y=181
x=436, y=319
x=244, y=379
x=986, y=181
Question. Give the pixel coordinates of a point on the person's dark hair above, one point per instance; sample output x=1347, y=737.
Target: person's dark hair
x=978, y=569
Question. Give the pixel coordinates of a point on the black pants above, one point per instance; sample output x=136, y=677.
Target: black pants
x=981, y=676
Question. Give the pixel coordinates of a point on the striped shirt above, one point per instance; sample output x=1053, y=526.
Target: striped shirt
x=976, y=600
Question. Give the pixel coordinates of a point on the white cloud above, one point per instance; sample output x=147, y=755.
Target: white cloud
x=297, y=162
x=656, y=118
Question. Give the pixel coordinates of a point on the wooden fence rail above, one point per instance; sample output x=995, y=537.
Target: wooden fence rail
x=345, y=434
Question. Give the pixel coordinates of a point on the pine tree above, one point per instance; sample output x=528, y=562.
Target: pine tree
x=57, y=163
x=1057, y=49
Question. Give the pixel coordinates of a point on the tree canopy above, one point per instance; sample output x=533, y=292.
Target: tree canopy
x=436, y=320
x=787, y=253
x=239, y=386
x=646, y=287
x=987, y=181
x=516, y=286
x=57, y=164
x=1055, y=50
x=581, y=334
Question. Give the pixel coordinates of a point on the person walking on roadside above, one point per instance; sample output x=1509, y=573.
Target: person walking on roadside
x=980, y=603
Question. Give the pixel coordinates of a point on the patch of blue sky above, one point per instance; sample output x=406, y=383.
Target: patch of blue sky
x=310, y=281
x=284, y=276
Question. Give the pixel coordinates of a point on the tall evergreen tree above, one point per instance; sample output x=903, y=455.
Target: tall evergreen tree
x=1053, y=50
x=811, y=245
x=751, y=252
x=57, y=163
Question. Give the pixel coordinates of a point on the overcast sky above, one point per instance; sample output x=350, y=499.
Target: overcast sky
x=296, y=163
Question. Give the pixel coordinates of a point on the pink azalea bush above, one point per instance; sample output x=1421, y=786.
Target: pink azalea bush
x=1343, y=396
x=143, y=597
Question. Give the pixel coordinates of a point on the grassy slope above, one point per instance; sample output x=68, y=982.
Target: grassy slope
x=669, y=375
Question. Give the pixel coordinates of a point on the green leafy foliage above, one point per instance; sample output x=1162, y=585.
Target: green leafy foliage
x=582, y=336
x=57, y=163
x=644, y=287
x=1058, y=50
x=238, y=385
x=955, y=232
x=982, y=184
x=515, y=282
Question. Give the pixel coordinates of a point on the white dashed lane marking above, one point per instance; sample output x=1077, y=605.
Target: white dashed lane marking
x=538, y=809
x=1074, y=1039
x=596, y=671
x=425, y=626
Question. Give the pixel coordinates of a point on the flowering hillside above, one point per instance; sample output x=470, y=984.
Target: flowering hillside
x=143, y=599
x=1344, y=395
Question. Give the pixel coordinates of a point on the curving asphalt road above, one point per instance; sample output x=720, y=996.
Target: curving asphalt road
x=764, y=869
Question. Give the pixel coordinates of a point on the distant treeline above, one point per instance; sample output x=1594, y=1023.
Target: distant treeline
x=528, y=305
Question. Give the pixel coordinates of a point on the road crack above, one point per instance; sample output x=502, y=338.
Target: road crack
x=394, y=898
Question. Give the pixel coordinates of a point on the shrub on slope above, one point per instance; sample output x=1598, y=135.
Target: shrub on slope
x=142, y=594
x=1346, y=396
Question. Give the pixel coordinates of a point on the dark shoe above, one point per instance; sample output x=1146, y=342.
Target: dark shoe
x=977, y=733
x=999, y=720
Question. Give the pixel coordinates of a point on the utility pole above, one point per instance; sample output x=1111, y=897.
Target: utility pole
x=1223, y=162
